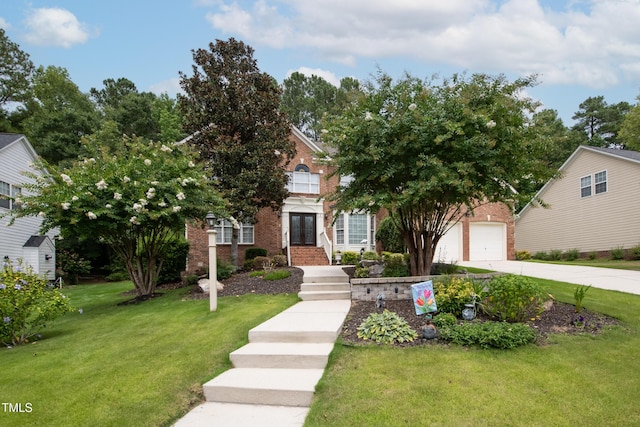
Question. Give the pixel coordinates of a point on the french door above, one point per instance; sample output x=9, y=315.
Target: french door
x=303, y=229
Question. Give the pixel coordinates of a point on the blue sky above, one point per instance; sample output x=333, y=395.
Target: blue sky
x=579, y=48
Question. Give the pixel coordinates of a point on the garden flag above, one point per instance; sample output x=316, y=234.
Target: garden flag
x=423, y=298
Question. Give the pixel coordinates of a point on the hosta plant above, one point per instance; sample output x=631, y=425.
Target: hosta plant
x=386, y=327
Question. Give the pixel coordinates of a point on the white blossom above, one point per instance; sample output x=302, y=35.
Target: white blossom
x=147, y=162
x=180, y=196
x=162, y=204
x=154, y=183
x=102, y=185
x=491, y=124
x=191, y=164
x=143, y=202
x=176, y=208
x=134, y=220
x=117, y=196
x=66, y=178
x=412, y=106
x=324, y=131
x=108, y=206
x=126, y=179
x=151, y=193
x=137, y=207
x=368, y=116
x=165, y=149
x=42, y=214
x=65, y=205
x=74, y=199
x=91, y=215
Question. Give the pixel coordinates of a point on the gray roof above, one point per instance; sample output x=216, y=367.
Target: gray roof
x=626, y=154
x=35, y=241
x=8, y=138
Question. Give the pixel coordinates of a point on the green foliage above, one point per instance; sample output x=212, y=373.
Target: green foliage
x=579, y=295
x=118, y=275
x=136, y=200
x=630, y=129
x=593, y=255
x=71, y=265
x=635, y=252
x=571, y=254
x=16, y=69
x=224, y=269
x=370, y=255
x=555, y=255
x=394, y=265
x=512, y=298
x=27, y=304
x=541, y=255
x=444, y=319
x=386, y=327
x=389, y=235
x=190, y=280
x=361, y=272
x=443, y=268
x=523, y=255
x=277, y=275
x=251, y=253
x=447, y=147
x=501, y=335
x=600, y=122
x=617, y=253
x=349, y=258
x=256, y=273
x=175, y=260
x=279, y=260
x=260, y=262
x=452, y=294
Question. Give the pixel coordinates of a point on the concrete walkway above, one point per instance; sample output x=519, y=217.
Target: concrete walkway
x=604, y=278
x=274, y=376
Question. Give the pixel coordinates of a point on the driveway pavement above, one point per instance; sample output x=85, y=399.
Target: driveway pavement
x=604, y=278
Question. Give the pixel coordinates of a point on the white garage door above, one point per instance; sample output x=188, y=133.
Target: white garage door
x=449, y=247
x=487, y=242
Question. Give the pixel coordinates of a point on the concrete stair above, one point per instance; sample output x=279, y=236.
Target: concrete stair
x=319, y=286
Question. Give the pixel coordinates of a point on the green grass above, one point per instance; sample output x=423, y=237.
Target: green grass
x=573, y=380
x=136, y=365
x=602, y=263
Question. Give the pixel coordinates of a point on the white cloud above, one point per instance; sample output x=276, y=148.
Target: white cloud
x=55, y=27
x=171, y=87
x=594, y=43
x=4, y=24
x=327, y=75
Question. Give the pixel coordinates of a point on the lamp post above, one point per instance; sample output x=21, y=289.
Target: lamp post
x=213, y=276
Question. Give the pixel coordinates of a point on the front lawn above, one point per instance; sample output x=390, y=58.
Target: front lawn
x=135, y=365
x=601, y=263
x=572, y=380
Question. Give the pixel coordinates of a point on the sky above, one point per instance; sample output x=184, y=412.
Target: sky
x=577, y=48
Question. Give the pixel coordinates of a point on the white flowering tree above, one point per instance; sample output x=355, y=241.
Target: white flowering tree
x=135, y=200
x=430, y=154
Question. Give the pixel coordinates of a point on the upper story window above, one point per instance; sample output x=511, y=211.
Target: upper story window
x=8, y=191
x=225, y=230
x=302, y=181
x=593, y=184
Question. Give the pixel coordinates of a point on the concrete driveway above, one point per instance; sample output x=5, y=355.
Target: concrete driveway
x=604, y=278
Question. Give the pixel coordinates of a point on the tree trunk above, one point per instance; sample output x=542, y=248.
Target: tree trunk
x=234, y=246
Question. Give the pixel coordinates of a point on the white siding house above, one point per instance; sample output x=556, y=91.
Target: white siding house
x=22, y=240
x=593, y=206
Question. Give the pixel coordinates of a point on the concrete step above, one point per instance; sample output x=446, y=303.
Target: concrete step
x=305, y=322
x=259, y=386
x=330, y=278
x=282, y=355
x=238, y=415
x=328, y=286
x=324, y=295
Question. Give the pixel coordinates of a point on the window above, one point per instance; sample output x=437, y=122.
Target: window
x=225, y=230
x=585, y=186
x=339, y=227
x=5, y=193
x=302, y=181
x=354, y=229
x=358, y=229
x=16, y=192
x=601, y=182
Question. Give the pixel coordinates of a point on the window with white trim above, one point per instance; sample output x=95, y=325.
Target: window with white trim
x=593, y=184
x=225, y=230
x=7, y=192
x=354, y=229
x=302, y=181
x=358, y=230
x=339, y=227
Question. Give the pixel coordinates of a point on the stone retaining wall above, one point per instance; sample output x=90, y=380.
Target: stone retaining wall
x=397, y=288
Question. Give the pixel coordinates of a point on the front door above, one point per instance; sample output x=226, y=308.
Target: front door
x=303, y=229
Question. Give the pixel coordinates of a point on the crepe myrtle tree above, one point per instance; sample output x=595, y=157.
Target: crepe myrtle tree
x=431, y=153
x=135, y=199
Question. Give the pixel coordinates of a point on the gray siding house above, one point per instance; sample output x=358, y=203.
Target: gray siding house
x=22, y=240
x=593, y=206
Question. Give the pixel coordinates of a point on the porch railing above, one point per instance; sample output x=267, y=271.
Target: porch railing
x=285, y=245
x=326, y=244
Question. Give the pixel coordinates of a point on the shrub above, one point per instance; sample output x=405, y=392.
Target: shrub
x=370, y=255
x=500, y=335
x=279, y=260
x=396, y=271
x=512, y=298
x=260, y=261
x=444, y=319
x=635, y=252
x=175, y=260
x=555, y=255
x=523, y=255
x=277, y=275
x=617, y=253
x=251, y=253
x=541, y=255
x=386, y=327
x=349, y=258
x=118, y=276
x=453, y=294
x=442, y=268
x=389, y=235
x=361, y=272
x=190, y=280
x=224, y=269
x=593, y=255
x=27, y=303
x=71, y=265
x=571, y=254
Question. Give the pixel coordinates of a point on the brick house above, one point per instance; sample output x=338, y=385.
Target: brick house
x=304, y=228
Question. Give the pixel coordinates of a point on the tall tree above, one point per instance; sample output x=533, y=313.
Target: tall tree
x=15, y=71
x=135, y=199
x=59, y=115
x=599, y=121
x=431, y=154
x=629, y=135
x=555, y=137
x=232, y=111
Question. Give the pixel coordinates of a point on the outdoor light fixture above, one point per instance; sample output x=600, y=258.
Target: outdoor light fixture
x=211, y=220
x=47, y=257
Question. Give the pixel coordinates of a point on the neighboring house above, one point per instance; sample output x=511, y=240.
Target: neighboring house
x=304, y=228
x=22, y=240
x=593, y=206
